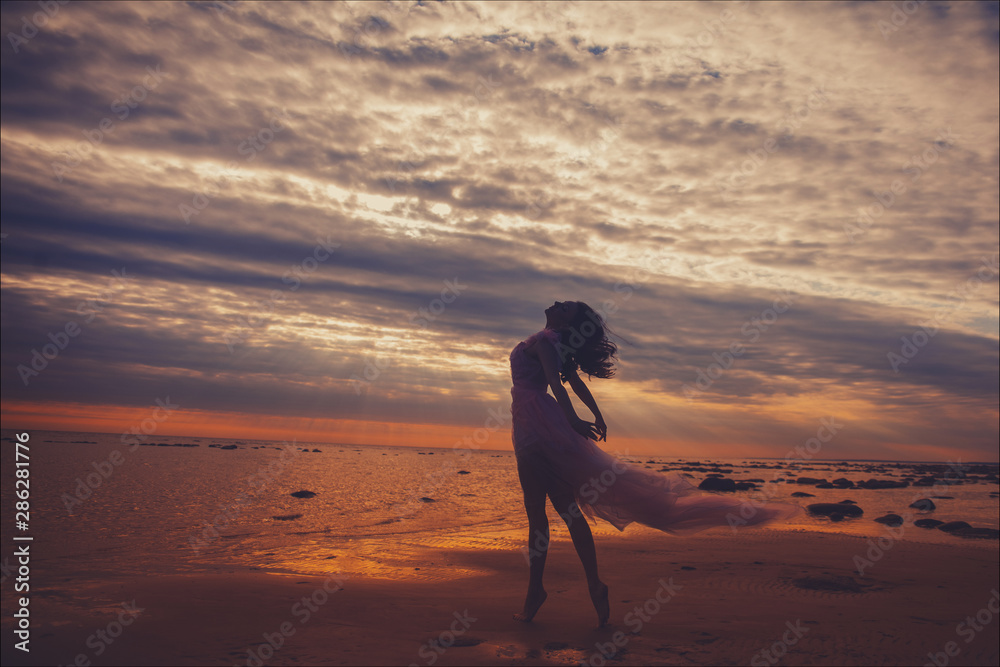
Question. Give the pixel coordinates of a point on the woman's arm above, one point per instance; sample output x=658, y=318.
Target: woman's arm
x=549, y=358
x=581, y=389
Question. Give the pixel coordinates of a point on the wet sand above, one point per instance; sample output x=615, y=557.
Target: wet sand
x=760, y=598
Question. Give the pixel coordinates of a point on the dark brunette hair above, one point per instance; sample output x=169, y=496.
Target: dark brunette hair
x=584, y=345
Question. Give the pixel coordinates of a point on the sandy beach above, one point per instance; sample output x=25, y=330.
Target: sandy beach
x=761, y=598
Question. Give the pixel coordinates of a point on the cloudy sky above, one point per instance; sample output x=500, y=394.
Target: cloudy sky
x=332, y=221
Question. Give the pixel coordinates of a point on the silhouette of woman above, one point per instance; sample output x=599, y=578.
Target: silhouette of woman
x=557, y=457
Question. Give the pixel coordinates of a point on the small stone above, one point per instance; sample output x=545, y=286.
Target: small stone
x=890, y=520
x=954, y=526
x=826, y=509
x=717, y=484
x=924, y=505
x=980, y=533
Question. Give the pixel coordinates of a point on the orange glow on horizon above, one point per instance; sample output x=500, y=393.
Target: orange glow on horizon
x=180, y=422
x=81, y=417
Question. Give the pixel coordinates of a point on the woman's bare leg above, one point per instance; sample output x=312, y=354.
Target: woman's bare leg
x=583, y=541
x=538, y=539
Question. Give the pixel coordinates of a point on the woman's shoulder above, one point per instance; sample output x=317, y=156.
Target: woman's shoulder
x=550, y=335
x=531, y=343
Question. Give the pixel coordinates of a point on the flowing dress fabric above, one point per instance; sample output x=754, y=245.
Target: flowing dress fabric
x=547, y=447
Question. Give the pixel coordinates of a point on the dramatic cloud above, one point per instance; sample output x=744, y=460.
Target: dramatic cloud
x=334, y=220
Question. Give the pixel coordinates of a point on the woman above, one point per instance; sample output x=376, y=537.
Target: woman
x=556, y=457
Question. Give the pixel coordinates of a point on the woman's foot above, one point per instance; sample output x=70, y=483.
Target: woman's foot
x=599, y=596
x=531, y=605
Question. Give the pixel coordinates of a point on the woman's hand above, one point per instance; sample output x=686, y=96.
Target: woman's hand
x=586, y=429
x=602, y=429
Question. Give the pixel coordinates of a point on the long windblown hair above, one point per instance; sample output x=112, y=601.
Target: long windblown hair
x=585, y=345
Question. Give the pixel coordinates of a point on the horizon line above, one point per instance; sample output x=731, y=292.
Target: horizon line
x=510, y=450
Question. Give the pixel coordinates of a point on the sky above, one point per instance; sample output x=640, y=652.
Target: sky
x=333, y=221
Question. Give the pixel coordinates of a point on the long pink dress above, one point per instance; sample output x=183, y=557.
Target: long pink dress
x=603, y=485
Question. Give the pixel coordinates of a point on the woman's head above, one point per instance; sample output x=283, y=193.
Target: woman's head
x=584, y=340
x=561, y=314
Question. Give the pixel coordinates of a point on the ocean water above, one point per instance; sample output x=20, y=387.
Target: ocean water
x=100, y=508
